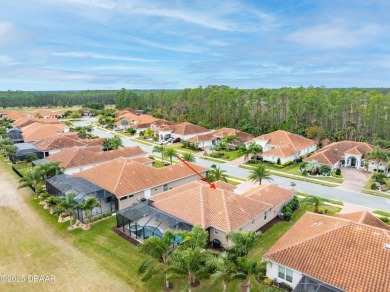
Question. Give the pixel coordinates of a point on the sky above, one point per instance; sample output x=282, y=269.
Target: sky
x=141, y=44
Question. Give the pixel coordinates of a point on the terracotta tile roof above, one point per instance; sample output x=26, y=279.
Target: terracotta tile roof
x=130, y=117
x=93, y=142
x=187, y=128
x=45, y=112
x=345, y=254
x=201, y=138
x=24, y=121
x=12, y=115
x=38, y=131
x=77, y=156
x=288, y=142
x=57, y=141
x=233, y=132
x=365, y=217
x=123, y=176
x=197, y=203
x=270, y=194
x=144, y=160
x=49, y=121
x=333, y=152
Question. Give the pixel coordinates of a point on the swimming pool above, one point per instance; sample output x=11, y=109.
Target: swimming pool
x=146, y=231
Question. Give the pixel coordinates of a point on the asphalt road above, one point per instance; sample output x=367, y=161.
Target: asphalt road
x=336, y=193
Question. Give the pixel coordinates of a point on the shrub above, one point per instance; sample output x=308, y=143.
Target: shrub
x=131, y=131
x=385, y=219
x=325, y=169
x=299, y=159
x=267, y=281
x=288, y=163
x=278, y=161
x=287, y=214
x=304, y=172
x=338, y=171
x=155, y=139
x=279, y=165
x=302, y=165
x=374, y=187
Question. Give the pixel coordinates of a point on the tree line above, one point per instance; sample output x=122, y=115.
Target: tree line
x=55, y=98
x=337, y=114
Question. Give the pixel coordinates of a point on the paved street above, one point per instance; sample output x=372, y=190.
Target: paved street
x=336, y=193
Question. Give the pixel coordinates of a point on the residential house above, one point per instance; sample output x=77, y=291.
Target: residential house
x=132, y=181
x=38, y=131
x=58, y=142
x=214, y=137
x=12, y=115
x=76, y=159
x=220, y=210
x=138, y=122
x=184, y=131
x=46, y=114
x=24, y=121
x=347, y=154
x=284, y=146
x=349, y=252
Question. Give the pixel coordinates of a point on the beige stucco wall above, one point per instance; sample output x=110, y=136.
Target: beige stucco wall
x=273, y=273
x=124, y=203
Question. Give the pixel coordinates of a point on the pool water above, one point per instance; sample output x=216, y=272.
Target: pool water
x=150, y=231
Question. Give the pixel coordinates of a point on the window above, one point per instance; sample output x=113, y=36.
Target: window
x=265, y=215
x=165, y=187
x=123, y=198
x=131, y=196
x=216, y=231
x=253, y=221
x=285, y=274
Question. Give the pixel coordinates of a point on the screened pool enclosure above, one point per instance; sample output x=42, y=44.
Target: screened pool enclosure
x=64, y=184
x=142, y=220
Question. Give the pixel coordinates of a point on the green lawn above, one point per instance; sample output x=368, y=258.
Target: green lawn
x=335, y=202
x=212, y=159
x=383, y=213
x=227, y=155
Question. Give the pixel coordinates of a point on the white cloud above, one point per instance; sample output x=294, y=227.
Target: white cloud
x=334, y=35
x=100, y=56
x=7, y=61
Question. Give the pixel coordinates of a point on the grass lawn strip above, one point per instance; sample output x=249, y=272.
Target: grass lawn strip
x=297, y=177
x=333, y=202
x=382, y=213
x=212, y=159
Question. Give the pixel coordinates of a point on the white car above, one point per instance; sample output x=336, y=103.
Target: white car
x=163, y=142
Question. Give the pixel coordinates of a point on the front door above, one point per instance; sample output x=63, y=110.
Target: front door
x=353, y=162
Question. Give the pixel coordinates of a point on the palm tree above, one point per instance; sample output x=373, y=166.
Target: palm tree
x=170, y=152
x=247, y=268
x=224, y=270
x=50, y=169
x=88, y=205
x=159, y=149
x=187, y=156
x=66, y=205
x=160, y=249
x=31, y=179
x=314, y=201
x=378, y=155
x=312, y=167
x=244, y=150
x=196, y=238
x=216, y=173
x=116, y=142
x=254, y=148
x=189, y=263
x=243, y=242
x=258, y=173
x=9, y=150
x=52, y=202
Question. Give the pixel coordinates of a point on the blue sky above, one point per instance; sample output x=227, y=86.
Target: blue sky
x=109, y=44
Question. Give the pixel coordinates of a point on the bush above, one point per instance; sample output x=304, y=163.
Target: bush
x=267, y=281
x=338, y=171
x=374, y=187
x=325, y=169
x=304, y=172
x=278, y=161
x=288, y=163
x=302, y=165
x=299, y=159
x=385, y=219
x=131, y=131
x=279, y=165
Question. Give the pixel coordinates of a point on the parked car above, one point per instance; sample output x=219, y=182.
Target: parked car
x=170, y=139
x=176, y=140
x=257, y=157
x=118, y=129
x=163, y=142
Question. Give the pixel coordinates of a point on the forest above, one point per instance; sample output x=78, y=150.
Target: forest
x=12, y=99
x=316, y=112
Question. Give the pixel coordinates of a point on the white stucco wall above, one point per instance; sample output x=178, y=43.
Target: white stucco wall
x=273, y=273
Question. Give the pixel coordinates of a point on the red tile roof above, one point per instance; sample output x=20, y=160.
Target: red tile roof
x=123, y=176
x=77, y=156
x=343, y=253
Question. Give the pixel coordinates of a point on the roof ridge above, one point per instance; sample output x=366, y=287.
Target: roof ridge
x=202, y=213
x=72, y=154
x=362, y=217
x=226, y=210
x=120, y=173
x=315, y=235
x=288, y=137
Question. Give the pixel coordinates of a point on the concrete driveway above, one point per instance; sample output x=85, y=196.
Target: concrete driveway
x=355, y=179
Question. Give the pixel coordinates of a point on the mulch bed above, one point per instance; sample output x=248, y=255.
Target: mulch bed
x=125, y=236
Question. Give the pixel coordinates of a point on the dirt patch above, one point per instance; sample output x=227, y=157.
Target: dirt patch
x=29, y=247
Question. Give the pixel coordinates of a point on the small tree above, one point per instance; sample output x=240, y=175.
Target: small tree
x=216, y=174
x=315, y=202
x=258, y=173
x=187, y=156
x=66, y=205
x=31, y=179
x=159, y=149
x=170, y=152
x=88, y=205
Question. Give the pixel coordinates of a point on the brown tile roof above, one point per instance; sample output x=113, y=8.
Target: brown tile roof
x=12, y=115
x=136, y=118
x=123, y=176
x=270, y=194
x=45, y=112
x=333, y=152
x=77, y=156
x=197, y=203
x=201, y=138
x=57, y=141
x=24, y=121
x=233, y=132
x=144, y=160
x=289, y=143
x=345, y=254
x=38, y=131
x=93, y=142
x=365, y=217
x=49, y=121
x=187, y=128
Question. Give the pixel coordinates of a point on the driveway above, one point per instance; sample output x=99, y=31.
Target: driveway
x=354, y=179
